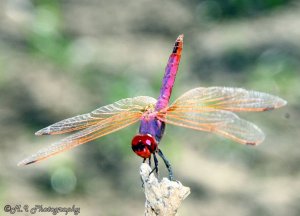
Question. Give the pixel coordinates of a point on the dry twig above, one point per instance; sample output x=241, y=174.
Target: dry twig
x=162, y=197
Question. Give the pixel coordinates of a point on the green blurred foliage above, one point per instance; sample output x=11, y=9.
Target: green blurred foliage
x=233, y=9
x=45, y=35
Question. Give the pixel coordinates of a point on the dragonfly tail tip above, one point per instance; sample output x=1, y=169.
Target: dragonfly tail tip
x=180, y=37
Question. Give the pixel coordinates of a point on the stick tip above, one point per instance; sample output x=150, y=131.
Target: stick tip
x=162, y=197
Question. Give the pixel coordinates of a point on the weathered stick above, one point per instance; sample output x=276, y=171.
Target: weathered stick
x=164, y=197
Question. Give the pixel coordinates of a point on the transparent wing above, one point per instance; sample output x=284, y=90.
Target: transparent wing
x=221, y=122
x=136, y=104
x=227, y=98
x=241, y=131
x=209, y=109
x=107, y=126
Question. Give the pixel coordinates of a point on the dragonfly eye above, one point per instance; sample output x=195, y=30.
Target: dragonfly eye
x=143, y=145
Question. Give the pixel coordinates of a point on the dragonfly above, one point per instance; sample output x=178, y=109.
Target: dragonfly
x=210, y=109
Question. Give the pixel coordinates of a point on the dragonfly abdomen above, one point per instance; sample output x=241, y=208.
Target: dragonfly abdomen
x=170, y=75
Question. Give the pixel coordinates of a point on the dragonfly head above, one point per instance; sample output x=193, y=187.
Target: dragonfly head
x=143, y=145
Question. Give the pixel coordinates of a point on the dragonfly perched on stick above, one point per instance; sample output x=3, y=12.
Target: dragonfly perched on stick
x=206, y=109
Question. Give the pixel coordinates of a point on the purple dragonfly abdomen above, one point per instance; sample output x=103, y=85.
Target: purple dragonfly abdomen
x=152, y=129
x=170, y=75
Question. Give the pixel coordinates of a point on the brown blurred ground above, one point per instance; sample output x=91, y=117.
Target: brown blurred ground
x=63, y=58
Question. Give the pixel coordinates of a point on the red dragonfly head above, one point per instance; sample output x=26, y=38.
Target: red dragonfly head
x=143, y=145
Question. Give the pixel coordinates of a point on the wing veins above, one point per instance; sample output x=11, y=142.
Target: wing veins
x=115, y=123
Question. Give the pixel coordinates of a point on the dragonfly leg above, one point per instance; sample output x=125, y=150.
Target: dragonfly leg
x=150, y=161
x=167, y=163
x=155, y=163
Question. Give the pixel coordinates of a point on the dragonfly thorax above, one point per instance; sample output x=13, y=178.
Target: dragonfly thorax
x=143, y=145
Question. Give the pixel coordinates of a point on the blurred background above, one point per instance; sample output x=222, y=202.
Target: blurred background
x=63, y=58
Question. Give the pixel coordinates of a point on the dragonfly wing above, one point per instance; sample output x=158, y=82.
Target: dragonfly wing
x=70, y=124
x=241, y=131
x=205, y=119
x=136, y=104
x=128, y=104
x=107, y=126
x=221, y=122
x=210, y=109
x=227, y=98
